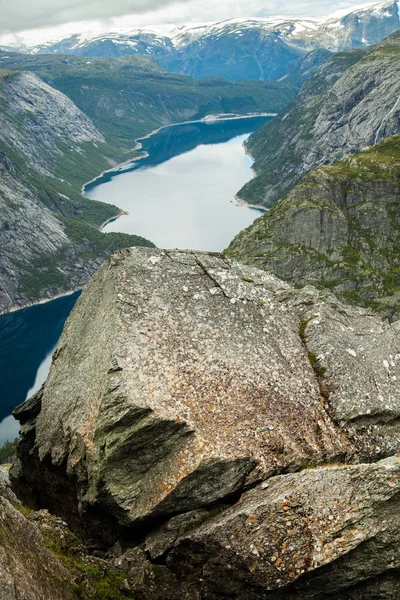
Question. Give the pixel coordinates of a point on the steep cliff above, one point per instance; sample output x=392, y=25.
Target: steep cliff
x=352, y=101
x=217, y=426
x=48, y=233
x=338, y=228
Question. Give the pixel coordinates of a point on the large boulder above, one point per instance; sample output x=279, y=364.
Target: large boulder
x=305, y=536
x=179, y=380
x=195, y=411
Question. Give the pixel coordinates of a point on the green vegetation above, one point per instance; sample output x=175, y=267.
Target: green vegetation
x=125, y=98
x=130, y=96
x=319, y=370
x=281, y=145
x=7, y=451
x=94, y=579
x=354, y=203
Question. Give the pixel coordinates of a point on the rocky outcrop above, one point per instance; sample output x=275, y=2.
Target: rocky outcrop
x=41, y=559
x=194, y=411
x=326, y=523
x=338, y=228
x=28, y=570
x=352, y=101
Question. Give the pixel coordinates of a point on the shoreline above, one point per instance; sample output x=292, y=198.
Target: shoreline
x=138, y=146
x=207, y=119
x=110, y=219
x=239, y=201
x=242, y=203
x=43, y=301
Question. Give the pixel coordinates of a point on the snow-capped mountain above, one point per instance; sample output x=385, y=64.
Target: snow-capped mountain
x=255, y=48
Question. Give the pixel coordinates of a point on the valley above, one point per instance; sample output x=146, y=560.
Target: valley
x=202, y=223
x=93, y=127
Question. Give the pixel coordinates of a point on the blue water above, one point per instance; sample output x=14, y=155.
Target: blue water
x=180, y=195
x=28, y=338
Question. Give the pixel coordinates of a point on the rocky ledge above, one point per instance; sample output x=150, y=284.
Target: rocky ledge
x=221, y=435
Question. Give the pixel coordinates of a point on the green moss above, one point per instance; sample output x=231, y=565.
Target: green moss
x=316, y=365
x=24, y=510
x=94, y=581
x=303, y=327
x=319, y=370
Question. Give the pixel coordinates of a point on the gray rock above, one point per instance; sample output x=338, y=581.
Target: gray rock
x=189, y=402
x=5, y=486
x=321, y=533
x=352, y=101
x=199, y=386
x=338, y=229
x=28, y=570
x=358, y=356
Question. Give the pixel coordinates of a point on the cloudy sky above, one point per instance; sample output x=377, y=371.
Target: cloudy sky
x=55, y=17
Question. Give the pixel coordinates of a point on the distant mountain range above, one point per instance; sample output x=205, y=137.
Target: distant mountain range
x=238, y=49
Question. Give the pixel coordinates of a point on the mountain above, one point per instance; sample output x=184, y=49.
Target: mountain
x=48, y=232
x=237, y=49
x=51, y=144
x=339, y=228
x=350, y=102
x=129, y=97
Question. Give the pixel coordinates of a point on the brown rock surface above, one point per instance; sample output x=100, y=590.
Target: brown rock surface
x=313, y=534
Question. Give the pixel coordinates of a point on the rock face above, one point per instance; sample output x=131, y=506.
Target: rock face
x=314, y=522
x=44, y=137
x=187, y=395
x=352, y=101
x=28, y=570
x=338, y=228
x=41, y=559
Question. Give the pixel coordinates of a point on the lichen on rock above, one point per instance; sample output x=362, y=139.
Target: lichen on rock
x=216, y=423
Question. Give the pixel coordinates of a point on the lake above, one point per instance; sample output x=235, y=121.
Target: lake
x=28, y=339
x=181, y=195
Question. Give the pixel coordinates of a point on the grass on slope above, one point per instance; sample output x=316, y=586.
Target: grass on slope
x=128, y=97
x=365, y=189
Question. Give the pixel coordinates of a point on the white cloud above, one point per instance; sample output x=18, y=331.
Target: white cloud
x=24, y=20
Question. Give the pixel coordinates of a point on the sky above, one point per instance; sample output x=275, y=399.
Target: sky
x=27, y=20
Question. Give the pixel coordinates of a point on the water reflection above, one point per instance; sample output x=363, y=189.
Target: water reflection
x=186, y=201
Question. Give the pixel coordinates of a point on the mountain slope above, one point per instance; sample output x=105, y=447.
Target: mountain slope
x=130, y=96
x=48, y=233
x=352, y=101
x=50, y=146
x=339, y=228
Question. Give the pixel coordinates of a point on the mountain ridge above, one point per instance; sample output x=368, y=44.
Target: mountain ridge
x=238, y=49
